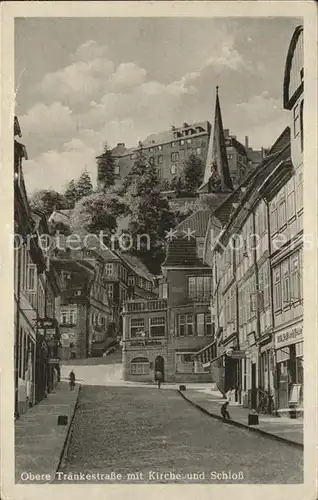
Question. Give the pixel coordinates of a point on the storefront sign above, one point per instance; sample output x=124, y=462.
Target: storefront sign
x=287, y=337
x=145, y=342
x=53, y=361
x=235, y=354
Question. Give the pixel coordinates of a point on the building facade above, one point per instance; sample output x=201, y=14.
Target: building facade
x=36, y=287
x=284, y=192
x=170, y=150
x=257, y=299
x=167, y=150
x=165, y=334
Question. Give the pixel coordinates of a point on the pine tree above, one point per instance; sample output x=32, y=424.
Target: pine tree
x=71, y=193
x=106, y=168
x=193, y=173
x=84, y=185
x=149, y=212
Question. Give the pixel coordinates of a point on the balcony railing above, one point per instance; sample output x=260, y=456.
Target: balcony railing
x=145, y=306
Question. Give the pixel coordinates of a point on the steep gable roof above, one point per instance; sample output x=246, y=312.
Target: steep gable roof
x=182, y=252
x=198, y=222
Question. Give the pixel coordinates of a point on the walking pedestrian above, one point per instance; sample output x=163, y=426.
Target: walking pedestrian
x=224, y=411
x=159, y=378
x=72, y=380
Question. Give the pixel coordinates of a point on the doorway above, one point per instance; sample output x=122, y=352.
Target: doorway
x=160, y=366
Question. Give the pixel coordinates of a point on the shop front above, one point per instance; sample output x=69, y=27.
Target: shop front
x=289, y=367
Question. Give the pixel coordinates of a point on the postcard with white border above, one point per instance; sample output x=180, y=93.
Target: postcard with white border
x=159, y=249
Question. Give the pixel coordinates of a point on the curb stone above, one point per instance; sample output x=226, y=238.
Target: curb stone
x=239, y=424
x=64, y=451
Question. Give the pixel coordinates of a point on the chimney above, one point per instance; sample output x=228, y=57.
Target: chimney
x=246, y=143
x=226, y=132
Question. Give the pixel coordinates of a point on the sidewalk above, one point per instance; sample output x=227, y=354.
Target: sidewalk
x=280, y=428
x=39, y=441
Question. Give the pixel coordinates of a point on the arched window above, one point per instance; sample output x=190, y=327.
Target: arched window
x=301, y=125
x=139, y=366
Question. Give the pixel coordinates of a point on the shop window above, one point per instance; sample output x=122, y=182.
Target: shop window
x=137, y=327
x=157, y=326
x=184, y=362
x=139, y=366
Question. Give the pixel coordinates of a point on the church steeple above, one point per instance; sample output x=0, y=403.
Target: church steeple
x=217, y=171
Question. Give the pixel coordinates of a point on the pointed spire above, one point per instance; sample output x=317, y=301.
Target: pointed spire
x=217, y=168
x=219, y=154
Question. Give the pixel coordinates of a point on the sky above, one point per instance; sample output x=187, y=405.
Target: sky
x=84, y=82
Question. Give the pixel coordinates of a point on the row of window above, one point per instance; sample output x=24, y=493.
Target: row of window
x=173, y=144
x=288, y=282
x=176, y=155
x=199, y=287
x=68, y=315
x=123, y=275
x=190, y=325
x=98, y=319
x=288, y=203
x=157, y=327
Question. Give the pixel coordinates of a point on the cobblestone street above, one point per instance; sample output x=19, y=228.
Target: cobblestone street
x=128, y=430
